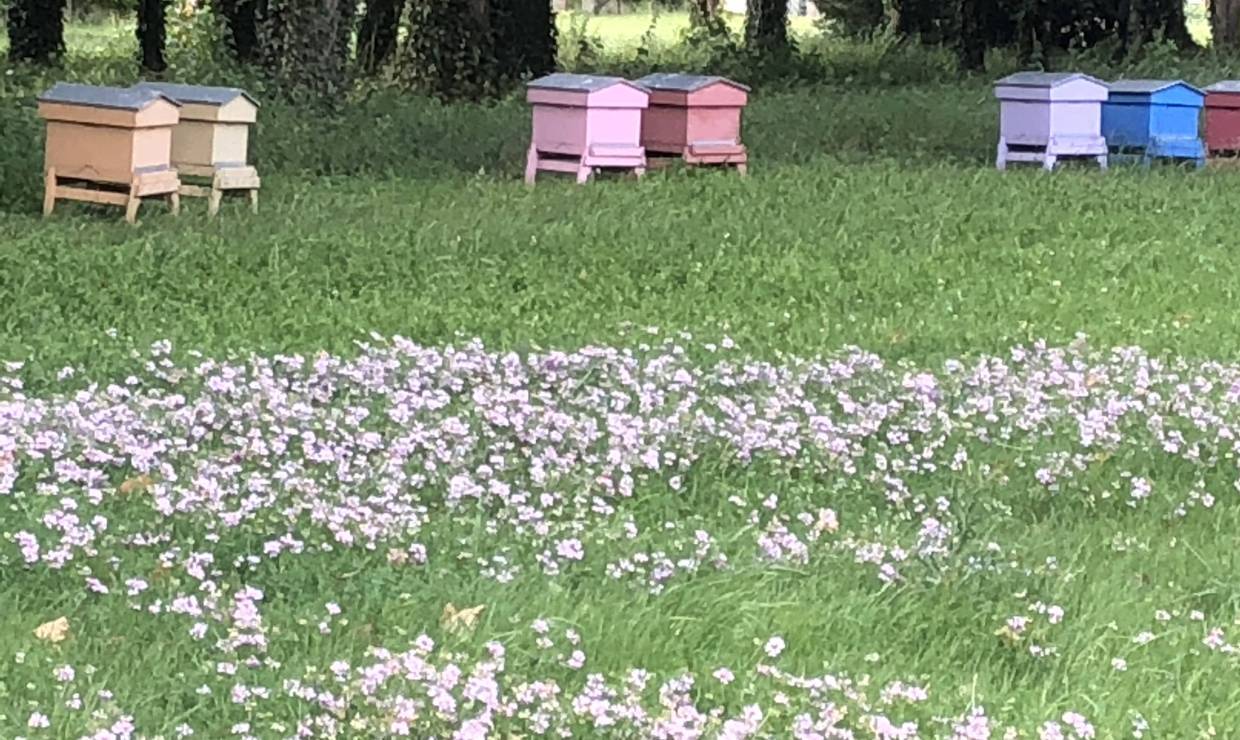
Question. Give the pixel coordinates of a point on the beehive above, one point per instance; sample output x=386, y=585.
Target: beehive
x=1154, y=118
x=1044, y=117
x=1223, y=118
x=212, y=138
x=696, y=118
x=582, y=123
x=111, y=145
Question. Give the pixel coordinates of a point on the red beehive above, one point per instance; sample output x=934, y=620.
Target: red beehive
x=1223, y=118
x=696, y=118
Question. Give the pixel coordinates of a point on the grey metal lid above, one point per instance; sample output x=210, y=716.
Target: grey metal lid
x=684, y=82
x=199, y=94
x=584, y=83
x=1045, y=79
x=119, y=98
x=1147, y=87
x=1225, y=86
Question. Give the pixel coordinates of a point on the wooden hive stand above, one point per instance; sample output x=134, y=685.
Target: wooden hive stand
x=1047, y=117
x=1144, y=120
x=695, y=119
x=584, y=123
x=210, y=144
x=108, y=145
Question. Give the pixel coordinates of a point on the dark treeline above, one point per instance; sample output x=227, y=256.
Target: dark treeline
x=472, y=48
x=1034, y=27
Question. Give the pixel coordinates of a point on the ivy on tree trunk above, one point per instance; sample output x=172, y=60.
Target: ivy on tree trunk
x=241, y=19
x=766, y=26
x=524, y=37
x=1225, y=23
x=36, y=30
x=376, y=39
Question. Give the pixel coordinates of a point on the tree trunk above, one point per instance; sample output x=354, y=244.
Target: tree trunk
x=1225, y=23
x=241, y=19
x=1165, y=17
x=305, y=44
x=972, y=42
x=36, y=30
x=376, y=40
x=448, y=54
x=766, y=26
x=524, y=37
x=152, y=33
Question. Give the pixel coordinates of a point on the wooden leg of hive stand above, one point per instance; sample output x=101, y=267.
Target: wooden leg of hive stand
x=213, y=200
x=1001, y=155
x=131, y=206
x=174, y=203
x=742, y=169
x=254, y=201
x=49, y=191
x=1048, y=162
x=531, y=166
x=1102, y=161
x=639, y=171
x=583, y=174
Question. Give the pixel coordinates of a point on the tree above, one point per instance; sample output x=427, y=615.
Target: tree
x=450, y=53
x=766, y=26
x=305, y=44
x=36, y=30
x=152, y=34
x=241, y=19
x=1225, y=23
x=376, y=39
x=523, y=37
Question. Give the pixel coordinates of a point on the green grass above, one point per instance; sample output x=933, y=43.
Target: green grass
x=871, y=217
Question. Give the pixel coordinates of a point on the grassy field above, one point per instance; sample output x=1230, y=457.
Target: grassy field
x=686, y=503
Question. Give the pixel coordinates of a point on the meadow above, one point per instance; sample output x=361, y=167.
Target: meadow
x=876, y=442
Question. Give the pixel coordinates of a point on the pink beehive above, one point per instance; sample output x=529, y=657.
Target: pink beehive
x=584, y=122
x=695, y=118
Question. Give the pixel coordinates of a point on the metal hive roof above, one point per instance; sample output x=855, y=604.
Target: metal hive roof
x=684, y=82
x=1225, y=86
x=1148, y=87
x=1045, y=79
x=119, y=98
x=586, y=83
x=199, y=94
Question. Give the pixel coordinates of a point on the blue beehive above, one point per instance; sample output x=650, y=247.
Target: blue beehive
x=1154, y=118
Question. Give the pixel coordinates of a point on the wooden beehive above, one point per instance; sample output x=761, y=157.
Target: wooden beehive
x=583, y=122
x=696, y=118
x=1047, y=116
x=1223, y=118
x=102, y=138
x=212, y=138
x=1154, y=118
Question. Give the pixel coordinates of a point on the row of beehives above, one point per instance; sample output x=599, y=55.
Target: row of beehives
x=584, y=123
x=1047, y=117
x=119, y=145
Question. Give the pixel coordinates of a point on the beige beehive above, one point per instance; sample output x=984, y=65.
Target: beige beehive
x=212, y=137
x=101, y=140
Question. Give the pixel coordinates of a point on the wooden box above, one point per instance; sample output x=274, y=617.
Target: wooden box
x=1223, y=118
x=1154, y=118
x=696, y=118
x=212, y=138
x=1044, y=117
x=583, y=123
x=111, y=145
